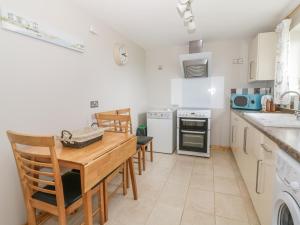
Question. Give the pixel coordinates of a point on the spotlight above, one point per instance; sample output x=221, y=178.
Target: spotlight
x=188, y=15
x=181, y=8
x=185, y=10
x=185, y=1
x=191, y=25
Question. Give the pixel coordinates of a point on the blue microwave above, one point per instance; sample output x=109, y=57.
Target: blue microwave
x=246, y=101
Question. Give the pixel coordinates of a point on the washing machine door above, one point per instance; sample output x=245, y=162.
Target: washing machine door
x=286, y=210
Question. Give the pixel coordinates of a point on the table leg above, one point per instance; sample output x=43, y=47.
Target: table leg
x=105, y=198
x=101, y=204
x=88, y=208
x=133, y=180
x=124, y=177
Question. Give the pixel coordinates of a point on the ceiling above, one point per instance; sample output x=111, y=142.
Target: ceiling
x=156, y=23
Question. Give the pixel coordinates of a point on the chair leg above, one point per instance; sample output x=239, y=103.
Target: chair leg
x=144, y=156
x=101, y=203
x=140, y=162
x=62, y=219
x=151, y=151
x=124, y=177
x=31, y=214
x=127, y=174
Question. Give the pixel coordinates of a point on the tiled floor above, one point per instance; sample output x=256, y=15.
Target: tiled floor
x=183, y=190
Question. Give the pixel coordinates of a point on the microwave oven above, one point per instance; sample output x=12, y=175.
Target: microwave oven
x=246, y=101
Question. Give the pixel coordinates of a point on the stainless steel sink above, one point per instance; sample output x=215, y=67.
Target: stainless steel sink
x=275, y=119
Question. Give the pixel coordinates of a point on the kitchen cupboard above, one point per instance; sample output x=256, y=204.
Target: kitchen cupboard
x=262, y=54
x=255, y=155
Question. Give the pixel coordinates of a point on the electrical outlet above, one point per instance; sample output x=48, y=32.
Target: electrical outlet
x=94, y=104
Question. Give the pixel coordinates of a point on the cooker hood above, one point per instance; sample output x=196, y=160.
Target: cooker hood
x=196, y=63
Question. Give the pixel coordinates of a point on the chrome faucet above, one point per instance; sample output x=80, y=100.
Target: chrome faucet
x=297, y=112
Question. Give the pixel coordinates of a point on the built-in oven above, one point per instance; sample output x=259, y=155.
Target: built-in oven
x=193, y=134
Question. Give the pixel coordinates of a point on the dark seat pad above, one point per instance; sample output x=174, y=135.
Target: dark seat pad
x=142, y=140
x=71, y=186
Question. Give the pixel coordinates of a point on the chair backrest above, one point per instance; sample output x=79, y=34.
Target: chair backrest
x=114, y=122
x=36, y=170
x=126, y=111
x=112, y=112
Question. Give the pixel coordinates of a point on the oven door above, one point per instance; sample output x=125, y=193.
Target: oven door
x=193, y=124
x=195, y=141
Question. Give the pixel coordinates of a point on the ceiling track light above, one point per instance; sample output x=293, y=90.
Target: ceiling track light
x=185, y=10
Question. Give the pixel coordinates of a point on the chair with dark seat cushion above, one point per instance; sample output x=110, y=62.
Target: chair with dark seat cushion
x=72, y=190
x=143, y=140
x=43, y=186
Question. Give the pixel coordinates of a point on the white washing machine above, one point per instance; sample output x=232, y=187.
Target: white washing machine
x=286, y=210
x=161, y=125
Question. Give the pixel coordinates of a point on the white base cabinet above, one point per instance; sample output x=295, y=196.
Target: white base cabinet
x=255, y=156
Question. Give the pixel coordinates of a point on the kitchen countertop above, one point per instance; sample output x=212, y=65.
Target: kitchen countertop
x=288, y=139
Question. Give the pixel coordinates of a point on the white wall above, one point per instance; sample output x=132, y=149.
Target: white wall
x=235, y=76
x=45, y=88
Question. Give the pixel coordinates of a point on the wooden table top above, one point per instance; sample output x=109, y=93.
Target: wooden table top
x=87, y=154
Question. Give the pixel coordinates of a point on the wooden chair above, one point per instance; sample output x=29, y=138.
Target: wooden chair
x=114, y=123
x=142, y=141
x=112, y=126
x=43, y=186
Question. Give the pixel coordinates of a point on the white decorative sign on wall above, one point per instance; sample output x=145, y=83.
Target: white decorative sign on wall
x=12, y=22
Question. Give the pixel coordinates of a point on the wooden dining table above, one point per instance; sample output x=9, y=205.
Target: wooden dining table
x=95, y=162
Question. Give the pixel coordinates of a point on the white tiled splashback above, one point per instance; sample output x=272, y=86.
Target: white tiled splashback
x=262, y=91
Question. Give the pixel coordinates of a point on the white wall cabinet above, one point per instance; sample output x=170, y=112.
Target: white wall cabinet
x=255, y=156
x=262, y=54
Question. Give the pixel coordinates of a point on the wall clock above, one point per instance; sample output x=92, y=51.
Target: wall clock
x=120, y=54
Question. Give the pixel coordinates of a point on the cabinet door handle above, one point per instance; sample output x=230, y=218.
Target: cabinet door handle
x=258, y=177
x=245, y=140
x=193, y=132
x=191, y=120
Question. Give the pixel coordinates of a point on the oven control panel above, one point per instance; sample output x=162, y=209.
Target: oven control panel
x=194, y=113
x=159, y=115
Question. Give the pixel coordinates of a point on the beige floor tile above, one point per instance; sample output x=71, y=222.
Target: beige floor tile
x=134, y=212
x=193, y=217
x=166, y=161
x=225, y=221
x=164, y=214
x=203, y=182
x=231, y=207
x=223, y=171
x=202, y=201
x=173, y=194
x=203, y=168
x=147, y=191
x=223, y=161
x=180, y=175
x=203, y=160
x=226, y=186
